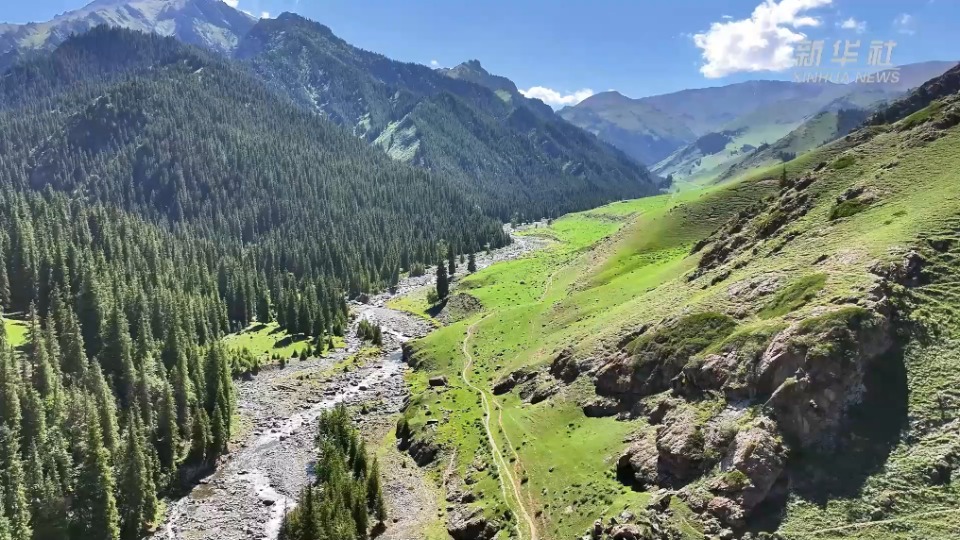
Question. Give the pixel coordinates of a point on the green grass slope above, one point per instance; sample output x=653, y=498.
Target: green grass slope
x=547, y=470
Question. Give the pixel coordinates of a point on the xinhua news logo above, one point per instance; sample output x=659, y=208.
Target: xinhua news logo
x=845, y=65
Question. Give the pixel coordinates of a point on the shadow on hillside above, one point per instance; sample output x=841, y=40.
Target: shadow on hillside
x=872, y=431
x=435, y=309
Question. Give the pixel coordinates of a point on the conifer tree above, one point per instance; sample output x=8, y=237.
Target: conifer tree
x=12, y=478
x=95, y=513
x=443, y=284
x=451, y=261
x=137, y=492
x=472, y=263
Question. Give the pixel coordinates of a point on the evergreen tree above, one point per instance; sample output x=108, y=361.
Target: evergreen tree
x=472, y=263
x=375, y=502
x=137, y=492
x=12, y=478
x=443, y=284
x=94, y=506
x=451, y=261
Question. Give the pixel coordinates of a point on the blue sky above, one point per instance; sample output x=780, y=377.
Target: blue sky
x=561, y=50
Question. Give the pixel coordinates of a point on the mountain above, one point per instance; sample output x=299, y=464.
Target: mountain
x=466, y=125
x=701, y=132
x=207, y=23
x=773, y=357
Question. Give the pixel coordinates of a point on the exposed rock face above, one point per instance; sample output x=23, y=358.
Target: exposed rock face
x=670, y=456
x=565, y=367
x=815, y=370
x=680, y=444
x=509, y=382
x=641, y=461
x=753, y=464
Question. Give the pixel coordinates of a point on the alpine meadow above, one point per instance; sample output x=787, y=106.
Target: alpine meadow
x=260, y=282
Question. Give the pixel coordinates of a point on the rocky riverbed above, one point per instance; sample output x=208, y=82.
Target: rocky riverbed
x=259, y=481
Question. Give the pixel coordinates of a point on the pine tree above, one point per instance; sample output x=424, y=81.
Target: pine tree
x=443, y=284
x=472, y=263
x=375, y=502
x=167, y=438
x=137, y=493
x=95, y=513
x=451, y=261
x=106, y=407
x=116, y=356
x=5, y=530
x=15, y=504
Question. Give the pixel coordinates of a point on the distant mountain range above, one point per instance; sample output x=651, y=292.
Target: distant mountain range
x=477, y=129
x=704, y=131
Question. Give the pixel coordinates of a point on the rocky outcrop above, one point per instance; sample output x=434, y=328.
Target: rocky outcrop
x=815, y=370
x=640, y=463
x=565, y=367
x=508, y=383
x=753, y=464
x=680, y=445
x=463, y=524
x=672, y=455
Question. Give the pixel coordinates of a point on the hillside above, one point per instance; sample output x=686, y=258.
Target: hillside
x=668, y=132
x=155, y=198
x=486, y=140
x=774, y=354
x=207, y=23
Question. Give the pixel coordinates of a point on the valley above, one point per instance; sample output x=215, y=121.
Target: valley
x=260, y=282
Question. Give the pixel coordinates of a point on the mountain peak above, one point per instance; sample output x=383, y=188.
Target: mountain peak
x=211, y=24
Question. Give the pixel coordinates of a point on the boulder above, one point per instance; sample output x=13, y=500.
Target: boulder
x=438, y=381
x=564, y=367
x=470, y=526
x=629, y=531
x=600, y=407
x=509, y=382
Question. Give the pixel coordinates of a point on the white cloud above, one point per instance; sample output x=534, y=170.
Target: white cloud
x=556, y=99
x=905, y=24
x=265, y=15
x=434, y=63
x=232, y=3
x=855, y=25
x=763, y=42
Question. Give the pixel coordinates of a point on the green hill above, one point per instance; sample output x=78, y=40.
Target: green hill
x=778, y=353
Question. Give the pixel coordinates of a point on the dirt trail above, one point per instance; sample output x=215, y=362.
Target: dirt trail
x=503, y=467
x=249, y=494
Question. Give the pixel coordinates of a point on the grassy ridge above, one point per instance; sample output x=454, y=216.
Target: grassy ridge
x=614, y=269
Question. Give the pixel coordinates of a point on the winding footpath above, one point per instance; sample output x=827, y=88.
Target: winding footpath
x=503, y=469
x=258, y=483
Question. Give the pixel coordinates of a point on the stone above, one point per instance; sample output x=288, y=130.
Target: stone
x=438, y=381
